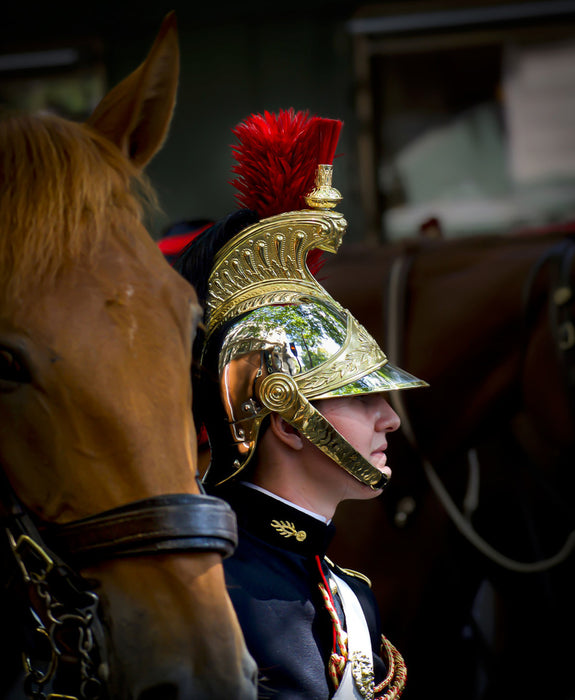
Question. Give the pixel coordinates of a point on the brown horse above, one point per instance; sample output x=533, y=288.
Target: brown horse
x=472, y=559
x=95, y=349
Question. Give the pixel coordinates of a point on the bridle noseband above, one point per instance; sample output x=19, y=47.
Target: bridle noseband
x=66, y=625
x=173, y=523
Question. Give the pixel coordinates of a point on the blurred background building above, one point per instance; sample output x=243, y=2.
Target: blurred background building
x=462, y=113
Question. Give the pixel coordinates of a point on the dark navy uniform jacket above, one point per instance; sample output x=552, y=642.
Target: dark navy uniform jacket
x=273, y=581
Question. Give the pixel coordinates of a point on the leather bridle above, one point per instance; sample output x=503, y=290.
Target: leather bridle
x=559, y=260
x=67, y=628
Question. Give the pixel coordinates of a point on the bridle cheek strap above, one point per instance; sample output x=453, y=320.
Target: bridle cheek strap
x=159, y=525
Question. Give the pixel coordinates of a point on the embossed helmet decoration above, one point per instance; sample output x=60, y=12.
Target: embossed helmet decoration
x=275, y=340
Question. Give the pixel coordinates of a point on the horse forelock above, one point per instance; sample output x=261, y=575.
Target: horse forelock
x=63, y=189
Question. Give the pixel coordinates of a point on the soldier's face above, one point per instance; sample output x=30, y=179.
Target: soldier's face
x=364, y=421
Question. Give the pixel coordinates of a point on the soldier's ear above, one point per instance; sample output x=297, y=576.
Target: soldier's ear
x=285, y=432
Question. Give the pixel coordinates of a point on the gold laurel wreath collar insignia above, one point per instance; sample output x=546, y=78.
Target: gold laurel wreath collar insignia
x=287, y=529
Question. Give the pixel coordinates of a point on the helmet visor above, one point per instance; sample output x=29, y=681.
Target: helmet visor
x=320, y=344
x=386, y=378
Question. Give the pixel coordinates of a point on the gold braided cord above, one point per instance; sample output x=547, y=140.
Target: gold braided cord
x=394, y=682
x=337, y=661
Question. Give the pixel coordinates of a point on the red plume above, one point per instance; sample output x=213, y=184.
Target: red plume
x=277, y=157
x=276, y=161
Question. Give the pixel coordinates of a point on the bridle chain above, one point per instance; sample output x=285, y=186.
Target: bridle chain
x=64, y=612
x=68, y=627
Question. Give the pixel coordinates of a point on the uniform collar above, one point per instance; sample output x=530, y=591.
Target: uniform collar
x=284, y=500
x=278, y=522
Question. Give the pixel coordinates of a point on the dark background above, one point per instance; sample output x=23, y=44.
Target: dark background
x=236, y=58
x=428, y=63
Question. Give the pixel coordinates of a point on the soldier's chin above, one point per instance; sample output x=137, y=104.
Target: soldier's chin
x=385, y=470
x=380, y=463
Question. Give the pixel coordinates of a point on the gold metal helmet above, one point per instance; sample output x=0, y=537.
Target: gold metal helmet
x=275, y=340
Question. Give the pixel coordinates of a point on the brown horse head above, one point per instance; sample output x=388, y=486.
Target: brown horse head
x=95, y=395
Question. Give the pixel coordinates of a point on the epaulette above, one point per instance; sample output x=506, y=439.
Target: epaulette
x=349, y=572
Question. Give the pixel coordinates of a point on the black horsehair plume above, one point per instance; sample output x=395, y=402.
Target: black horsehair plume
x=195, y=261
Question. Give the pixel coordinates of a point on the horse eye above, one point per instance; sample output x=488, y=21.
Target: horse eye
x=12, y=370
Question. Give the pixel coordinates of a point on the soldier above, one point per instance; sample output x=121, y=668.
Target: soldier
x=291, y=390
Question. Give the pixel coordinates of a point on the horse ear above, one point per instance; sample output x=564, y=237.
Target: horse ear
x=136, y=114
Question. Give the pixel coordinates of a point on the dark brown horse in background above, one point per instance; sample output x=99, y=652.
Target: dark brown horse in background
x=110, y=557
x=485, y=321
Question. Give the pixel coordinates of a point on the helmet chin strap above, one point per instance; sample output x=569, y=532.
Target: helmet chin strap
x=279, y=392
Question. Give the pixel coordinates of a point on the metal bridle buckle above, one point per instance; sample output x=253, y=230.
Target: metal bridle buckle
x=19, y=548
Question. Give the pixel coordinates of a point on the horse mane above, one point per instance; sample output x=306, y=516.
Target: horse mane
x=63, y=189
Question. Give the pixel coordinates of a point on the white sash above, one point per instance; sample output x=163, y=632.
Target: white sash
x=357, y=682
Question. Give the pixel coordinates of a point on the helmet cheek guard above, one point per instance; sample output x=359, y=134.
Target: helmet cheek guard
x=279, y=392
